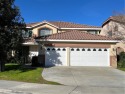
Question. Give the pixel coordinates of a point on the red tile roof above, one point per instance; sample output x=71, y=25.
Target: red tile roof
x=77, y=35
x=61, y=24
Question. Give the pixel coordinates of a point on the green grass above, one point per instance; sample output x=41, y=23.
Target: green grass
x=123, y=69
x=25, y=74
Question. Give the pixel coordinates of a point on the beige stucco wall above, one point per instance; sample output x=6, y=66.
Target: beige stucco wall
x=114, y=51
x=68, y=56
x=33, y=48
x=36, y=29
x=120, y=45
x=110, y=26
x=113, y=56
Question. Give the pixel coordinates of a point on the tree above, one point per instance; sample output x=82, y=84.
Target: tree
x=11, y=25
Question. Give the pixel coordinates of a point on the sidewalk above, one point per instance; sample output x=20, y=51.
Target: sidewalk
x=13, y=87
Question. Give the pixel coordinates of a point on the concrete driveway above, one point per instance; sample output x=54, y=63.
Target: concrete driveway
x=76, y=80
x=88, y=80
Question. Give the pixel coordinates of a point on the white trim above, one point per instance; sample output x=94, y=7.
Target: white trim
x=28, y=27
x=108, y=56
x=83, y=28
x=42, y=23
x=108, y=41
x=30, y=43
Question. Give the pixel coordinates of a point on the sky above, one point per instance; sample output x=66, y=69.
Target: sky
x=90, y=12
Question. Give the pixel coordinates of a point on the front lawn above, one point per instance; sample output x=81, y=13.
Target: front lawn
x=26, y=74
x=123, y=69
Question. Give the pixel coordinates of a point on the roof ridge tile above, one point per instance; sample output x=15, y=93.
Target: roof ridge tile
x=65, y=24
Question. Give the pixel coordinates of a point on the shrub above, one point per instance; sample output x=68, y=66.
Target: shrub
x=35, y=62
x=121, y=62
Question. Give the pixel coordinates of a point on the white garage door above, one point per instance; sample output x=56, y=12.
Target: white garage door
x=55, y=56
x=89, y=57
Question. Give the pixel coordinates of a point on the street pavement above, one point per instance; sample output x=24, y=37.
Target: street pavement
x=13, y=87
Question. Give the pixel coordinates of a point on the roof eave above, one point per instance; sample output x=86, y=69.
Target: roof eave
x=82, y=28
x=79, y=41
x=44, y=22
x=29, y=43
x=28, y=27
x=107, y=21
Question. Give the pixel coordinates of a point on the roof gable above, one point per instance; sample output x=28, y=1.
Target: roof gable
x=32, y=25
x=119, y=18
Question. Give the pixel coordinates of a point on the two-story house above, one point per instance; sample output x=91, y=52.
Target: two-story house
x=59, y=43
x=114, y=26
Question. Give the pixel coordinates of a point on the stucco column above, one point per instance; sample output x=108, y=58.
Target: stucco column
x=113, y=56
x=68, y=56
x=41, y=54
x=41, y=49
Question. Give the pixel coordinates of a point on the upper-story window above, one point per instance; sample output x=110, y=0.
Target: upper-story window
x=93, y=32
x=45, y=31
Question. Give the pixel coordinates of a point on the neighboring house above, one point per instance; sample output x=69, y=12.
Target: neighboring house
x=69, y=44
x=114, y=26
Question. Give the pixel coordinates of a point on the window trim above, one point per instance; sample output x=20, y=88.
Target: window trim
x=47, y=28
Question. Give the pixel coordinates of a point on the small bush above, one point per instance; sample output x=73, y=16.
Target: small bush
x=35, y=62
x=121, y=62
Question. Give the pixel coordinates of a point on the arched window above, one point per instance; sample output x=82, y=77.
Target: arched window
x=83, y=49
x=45, y=31
x=89, y=49
x=72, y=49
x=77, y=49
x=100, y=50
